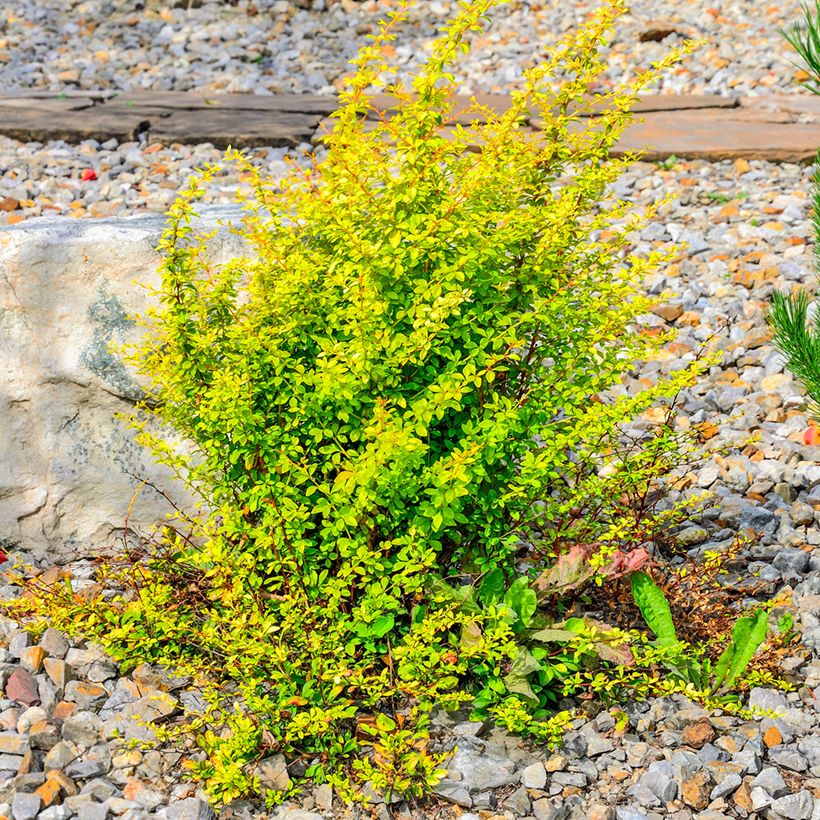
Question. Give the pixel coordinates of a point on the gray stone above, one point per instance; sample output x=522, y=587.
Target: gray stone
x=54, y=643
x=771, y=780
x=151, y=707
x=298, y=814
x=659, y=778
x=10, y=763
x=763, y=698
x=604, y=721
x=101, y=790
x=574, y=745
x=59, y=812
x=810, y=747
x=470, y=728
x=60, y=755
x=13, y=743
x=453, y=792
x=791, y=561
x=18, y=642
x=644, y=795
x=86, y=696
x=119, y=805
x=802, y=514
x=749, y=759
x=814, y=496
x=729, y=784
x=629, y=813
x=798, y=806
x=273, y=773
x=709, y=753
x=114, y=704
x=81, y=659
x=100, y=671
x=597, y=745
x=587, y=767
x=760, y=798
x=94, y=811
x=192, y=808
x=546, y=809
x=518, y=802
x=577, y=779
x=82, y=728
x=25, y=806
x=46, y=738
x=785, y=491
x=479, y=771
x=535, y=776
x=29, y=782
x=692, y=536
x=150, y=798
x=323, y=797
x=67, y=463
x=758, y=519
x=86, y=769
x=77, y=803
x=788, y=757
x=49, y=694
x=481, y=800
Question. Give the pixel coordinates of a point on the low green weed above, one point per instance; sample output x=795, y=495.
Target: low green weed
x=748, y=634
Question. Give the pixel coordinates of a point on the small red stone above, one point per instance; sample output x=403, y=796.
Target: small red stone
x=88, y=175
x=810, y=437
x=22, y=688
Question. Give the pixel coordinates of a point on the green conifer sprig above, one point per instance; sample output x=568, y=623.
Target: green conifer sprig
x=797, y=335
x=804, y=36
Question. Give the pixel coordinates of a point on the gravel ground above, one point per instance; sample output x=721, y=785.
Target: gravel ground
x=47, y=180
x=68, y=714
x=270, y=46
x=746, y=225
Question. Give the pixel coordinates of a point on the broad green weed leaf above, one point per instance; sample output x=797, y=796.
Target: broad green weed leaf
x=747, y=636
x=654, y=607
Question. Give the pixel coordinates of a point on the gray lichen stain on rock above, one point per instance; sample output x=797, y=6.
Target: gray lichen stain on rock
x=110, y=323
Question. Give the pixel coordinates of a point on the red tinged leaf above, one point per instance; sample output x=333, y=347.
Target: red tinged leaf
x=573, y=569
x=625, y=562
x=88, y=175
x=811, y=437
x=569, y=572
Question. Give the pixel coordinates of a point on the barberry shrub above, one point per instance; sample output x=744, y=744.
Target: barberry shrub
x=404, y=393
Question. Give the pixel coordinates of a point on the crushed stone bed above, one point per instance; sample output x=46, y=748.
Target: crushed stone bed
x=748, y=229
x=46, y=179
x=68, y=712
x=746, y=226
x=273, y=46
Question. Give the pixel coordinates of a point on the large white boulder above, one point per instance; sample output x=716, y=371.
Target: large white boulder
x=69, y=466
